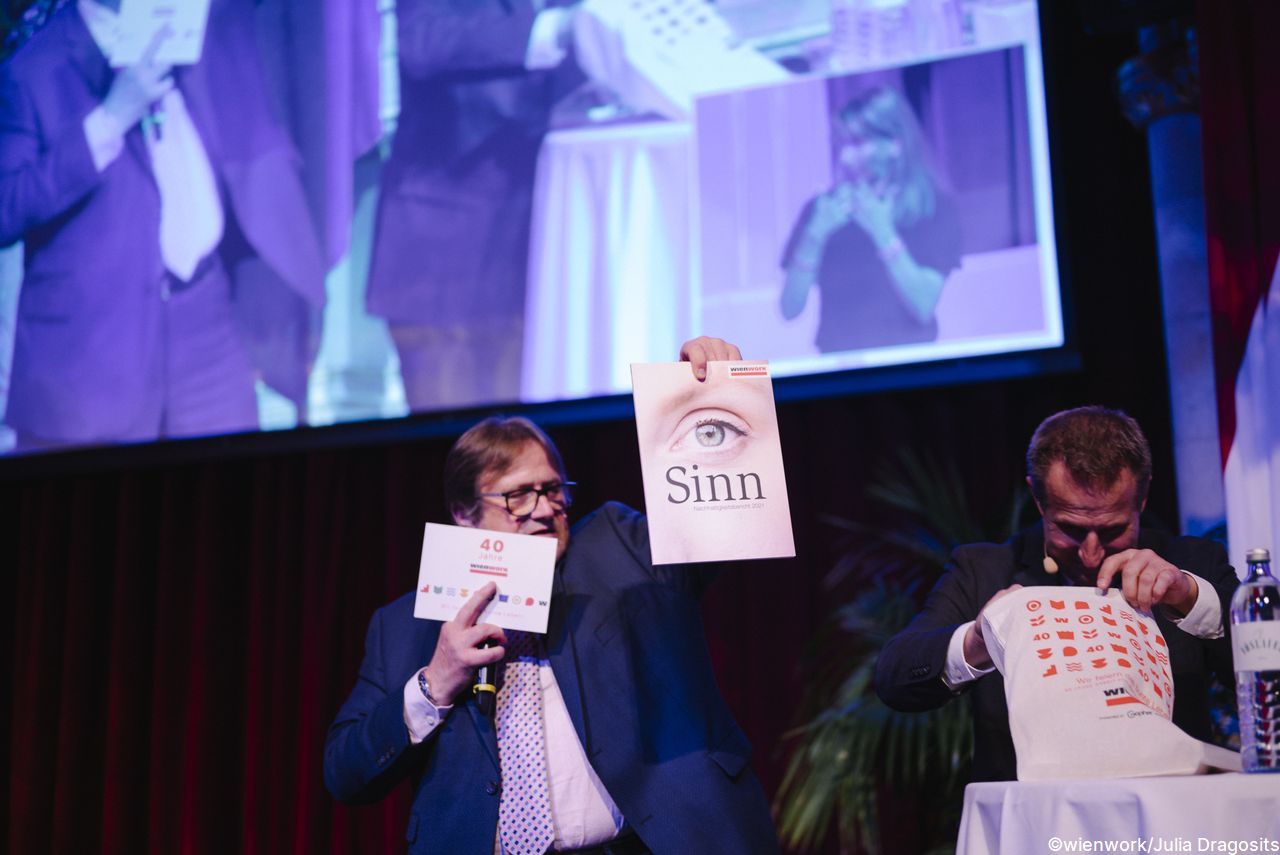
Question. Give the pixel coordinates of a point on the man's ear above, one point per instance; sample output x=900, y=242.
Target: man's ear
x=462, y=516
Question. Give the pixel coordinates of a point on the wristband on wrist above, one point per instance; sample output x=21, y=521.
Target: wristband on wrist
x=892, y=250
x=425, y=687
x=800, y=262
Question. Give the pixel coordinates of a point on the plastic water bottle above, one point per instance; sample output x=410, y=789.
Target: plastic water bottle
x=1255, y=635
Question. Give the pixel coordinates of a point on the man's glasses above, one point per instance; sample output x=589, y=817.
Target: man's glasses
x=522, y=502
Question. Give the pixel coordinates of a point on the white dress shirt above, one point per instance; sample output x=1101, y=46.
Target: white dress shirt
x=582, y=813
x=191, y=215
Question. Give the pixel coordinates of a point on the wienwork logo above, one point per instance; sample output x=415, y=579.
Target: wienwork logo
x=1118, y=697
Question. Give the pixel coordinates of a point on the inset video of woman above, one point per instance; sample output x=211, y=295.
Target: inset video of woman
x=881, y=241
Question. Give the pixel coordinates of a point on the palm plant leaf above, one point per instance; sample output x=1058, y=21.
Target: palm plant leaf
x=852, y=747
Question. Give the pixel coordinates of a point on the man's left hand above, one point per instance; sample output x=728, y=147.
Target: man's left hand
x=704, y=349
x=1147, y=579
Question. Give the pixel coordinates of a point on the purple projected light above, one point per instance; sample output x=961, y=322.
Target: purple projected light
x=876, y=218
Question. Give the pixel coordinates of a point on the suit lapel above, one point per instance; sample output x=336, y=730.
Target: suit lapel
x=87, y=59
x=466, y=706
x=485, y=731
x=194, y=83
x=564, y=657
x=84, y=54
x=564, y=665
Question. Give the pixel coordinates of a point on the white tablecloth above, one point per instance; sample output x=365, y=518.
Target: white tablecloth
x=609, y=262
x=1202, y=813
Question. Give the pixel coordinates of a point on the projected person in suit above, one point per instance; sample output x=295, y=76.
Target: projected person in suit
x=631, y=748
x=880, y=242
x=477, y=85
x=140, y=194
x=1089, y=470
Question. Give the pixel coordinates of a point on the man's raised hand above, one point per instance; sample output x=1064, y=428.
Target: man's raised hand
x=703, y=349
x=1147, y=579
x=140, y=85
x=458, y=652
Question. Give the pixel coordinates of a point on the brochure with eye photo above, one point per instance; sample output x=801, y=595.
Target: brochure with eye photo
x=711, y=459
x=140, y=20
x=457, y=561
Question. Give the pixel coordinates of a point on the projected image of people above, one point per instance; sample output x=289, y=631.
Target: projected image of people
x=478, y=82
x=880, y=242
x=151, y=199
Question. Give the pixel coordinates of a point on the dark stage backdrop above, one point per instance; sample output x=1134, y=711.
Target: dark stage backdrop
x=180, y=634
x=183, y=634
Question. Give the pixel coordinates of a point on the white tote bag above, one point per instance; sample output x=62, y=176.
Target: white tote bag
x=1087, y=679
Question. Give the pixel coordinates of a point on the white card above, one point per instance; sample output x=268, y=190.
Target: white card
x=457, y=561
x=140, y=20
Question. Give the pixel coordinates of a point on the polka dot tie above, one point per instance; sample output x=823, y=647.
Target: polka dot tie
x=524, y=809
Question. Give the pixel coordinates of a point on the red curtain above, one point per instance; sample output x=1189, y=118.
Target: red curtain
x=183, y=635
x=1240, y=84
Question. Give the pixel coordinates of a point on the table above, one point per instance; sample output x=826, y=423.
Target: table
x=609, y=258
x=1198, y=813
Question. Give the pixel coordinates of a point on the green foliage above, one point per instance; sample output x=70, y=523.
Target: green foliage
x=856, y=746
x=853, y=749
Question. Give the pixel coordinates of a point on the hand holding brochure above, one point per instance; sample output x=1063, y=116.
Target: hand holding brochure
x=457, y=561
x=140, y=20
x=712, y=463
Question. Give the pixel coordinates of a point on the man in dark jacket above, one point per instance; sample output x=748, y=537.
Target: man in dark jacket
x=1089, y=470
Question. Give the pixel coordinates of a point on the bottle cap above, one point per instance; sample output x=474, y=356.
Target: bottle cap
x=1257, y=554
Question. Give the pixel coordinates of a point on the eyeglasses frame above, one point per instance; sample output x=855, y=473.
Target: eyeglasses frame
x=539, y=493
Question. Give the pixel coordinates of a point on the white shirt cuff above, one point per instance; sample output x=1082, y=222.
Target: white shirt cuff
x=958, y=671
x=547, y=43
x=105, y=137
x=1204, y=619
x=421, y=717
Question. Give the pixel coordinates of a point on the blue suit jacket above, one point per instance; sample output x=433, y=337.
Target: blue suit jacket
x=456, y=193
x=626, y=643
x=87, y=362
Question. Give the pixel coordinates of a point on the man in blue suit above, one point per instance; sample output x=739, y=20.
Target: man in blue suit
x=152, y=203
x=638, y=751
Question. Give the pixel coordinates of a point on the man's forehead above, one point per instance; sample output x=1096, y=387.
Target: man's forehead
x=1099, y=516
x=1066, y=496
x=529, y=465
